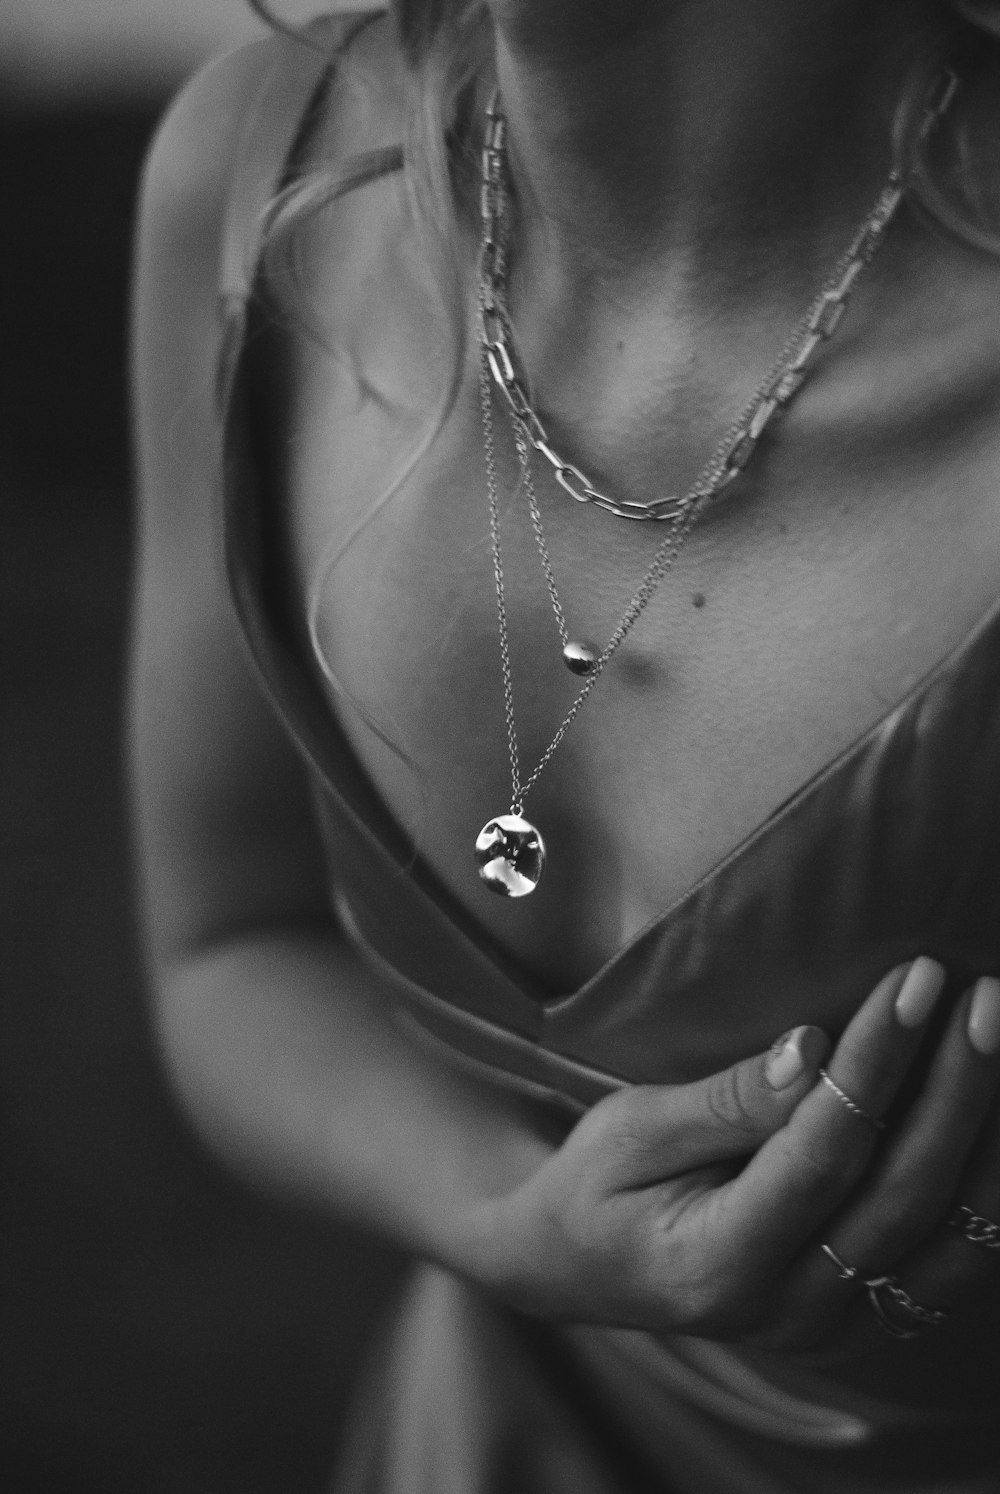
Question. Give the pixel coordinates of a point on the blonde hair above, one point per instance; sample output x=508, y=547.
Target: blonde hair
x=447, y=46
x=953, y=179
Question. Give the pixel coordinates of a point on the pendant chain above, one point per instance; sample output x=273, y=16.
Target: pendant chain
x=528, y=482
x=498, y=365
x=666, y=554
x=492, y=488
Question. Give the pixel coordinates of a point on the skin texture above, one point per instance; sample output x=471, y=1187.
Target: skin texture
x=831, y=583
x=644, y=1213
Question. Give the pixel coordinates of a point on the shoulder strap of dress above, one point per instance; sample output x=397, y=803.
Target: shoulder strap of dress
x=299, y=68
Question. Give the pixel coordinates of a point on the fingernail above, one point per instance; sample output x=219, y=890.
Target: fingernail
x=919, y=992
x=793, y=1053
x=984, y=1015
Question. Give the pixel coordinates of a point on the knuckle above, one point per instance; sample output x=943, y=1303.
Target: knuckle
x=700, y=1298
x=613, y=1123
x=731, y=1097
x=626, y=1122
x=709, y=1294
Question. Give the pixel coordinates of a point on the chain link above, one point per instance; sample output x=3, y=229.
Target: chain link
x=975, y=1227
x=498, y=365
x=782, y=381
x=492, y=488
x=664, y=558
x=524, y=453
x=929, y=1317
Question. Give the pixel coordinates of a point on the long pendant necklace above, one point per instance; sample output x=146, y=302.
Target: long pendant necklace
x=510, y=851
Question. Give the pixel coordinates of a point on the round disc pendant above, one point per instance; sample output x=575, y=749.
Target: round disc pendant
x=579, y=658
x=510, y=855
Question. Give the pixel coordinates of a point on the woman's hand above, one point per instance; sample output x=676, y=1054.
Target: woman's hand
x=644, y=1217
x=944, y=1152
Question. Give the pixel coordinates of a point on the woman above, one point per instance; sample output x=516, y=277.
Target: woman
x=663, y=1253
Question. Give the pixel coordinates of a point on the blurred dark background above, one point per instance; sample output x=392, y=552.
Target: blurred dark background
x=163, y=1330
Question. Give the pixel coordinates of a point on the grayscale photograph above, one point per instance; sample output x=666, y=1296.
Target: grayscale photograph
x=500, y=574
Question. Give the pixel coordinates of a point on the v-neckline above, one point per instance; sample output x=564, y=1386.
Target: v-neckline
x=551, y=1004
x=844, y=758
x=277, y=646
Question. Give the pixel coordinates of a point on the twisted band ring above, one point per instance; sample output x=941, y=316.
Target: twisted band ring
x=849, y=1104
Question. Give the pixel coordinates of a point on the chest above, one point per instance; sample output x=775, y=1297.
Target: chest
x=840, y=569
x=766, y=651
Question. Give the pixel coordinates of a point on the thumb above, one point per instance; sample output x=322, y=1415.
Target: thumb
x=663, y=1130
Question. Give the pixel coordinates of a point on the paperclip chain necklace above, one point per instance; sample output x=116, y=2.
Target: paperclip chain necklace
x=510, y=852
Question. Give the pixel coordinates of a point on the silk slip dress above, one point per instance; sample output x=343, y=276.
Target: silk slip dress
x=891, y=850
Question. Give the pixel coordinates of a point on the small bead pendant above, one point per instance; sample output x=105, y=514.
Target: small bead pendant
x=510, y=854
x=579, y=658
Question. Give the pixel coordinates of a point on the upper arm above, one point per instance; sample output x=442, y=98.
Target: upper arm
x=222, y=809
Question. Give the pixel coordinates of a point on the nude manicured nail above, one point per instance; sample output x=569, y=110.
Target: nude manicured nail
x=984, y=1015
x=919, y=992
x=792, y=1054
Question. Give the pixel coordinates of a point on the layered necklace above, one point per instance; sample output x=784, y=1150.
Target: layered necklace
x=510, y=851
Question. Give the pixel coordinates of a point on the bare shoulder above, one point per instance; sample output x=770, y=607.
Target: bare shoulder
x=175, y=326
x=190, y=163
x=222, y=810
x=188, y=170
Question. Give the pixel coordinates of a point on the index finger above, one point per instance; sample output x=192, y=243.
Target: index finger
x=803, y=1173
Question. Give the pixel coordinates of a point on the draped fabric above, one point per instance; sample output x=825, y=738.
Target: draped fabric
x=889, y=852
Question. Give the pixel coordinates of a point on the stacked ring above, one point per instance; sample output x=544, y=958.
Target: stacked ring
x=849, y=1104
x=974, y=1228
x=880, y=1287
x=923, y=1317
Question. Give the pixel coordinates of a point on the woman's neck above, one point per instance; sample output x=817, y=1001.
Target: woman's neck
x=690, y=133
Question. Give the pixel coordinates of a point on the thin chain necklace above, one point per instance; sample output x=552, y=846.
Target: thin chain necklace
x=510, y=851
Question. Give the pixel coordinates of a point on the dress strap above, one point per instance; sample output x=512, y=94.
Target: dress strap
x=299, y=72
